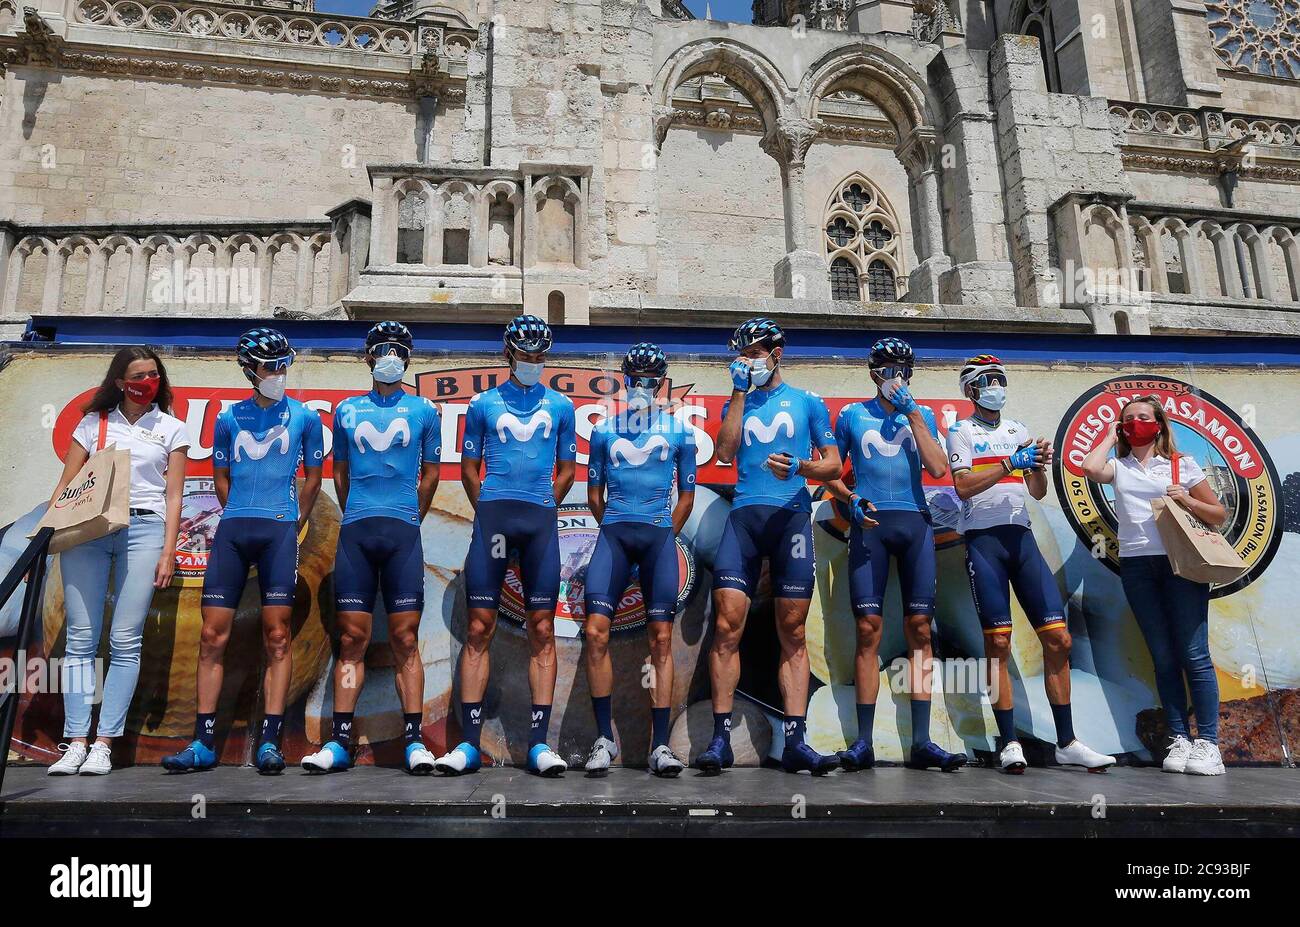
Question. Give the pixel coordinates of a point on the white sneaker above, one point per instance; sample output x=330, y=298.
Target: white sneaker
x=603, y=752
x=1012, y=758
x=1180, y=748
x=1205, y=760
x=1077, y=753
x=98, y=762
x=74, y=754
x=664, y=763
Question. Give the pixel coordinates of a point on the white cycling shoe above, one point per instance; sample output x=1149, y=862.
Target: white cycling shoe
x=545, y=762
x=74, y=754
x=1012, y=758
x=1180, y=748
x=1077, y=753
x=1205, y=760
x=664, y=763
x=603, y=752
x=463, y=758
x=419, y=760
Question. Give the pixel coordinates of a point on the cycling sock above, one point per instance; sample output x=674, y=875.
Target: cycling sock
x=271, y=729
x=540, y=723
x=342, y=733
x=659, y=718
x=1064, y=719
x=866, y=721
x=471, y=722
x=411, y=727
x=920, y=721
x=795, y=725
x=1006, y=719
x=722, y=725
x=205, y=729
x=600, y=703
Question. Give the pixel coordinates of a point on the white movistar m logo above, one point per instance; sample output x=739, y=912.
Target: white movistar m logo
x=522, y=431
x=382, y=440
x=887, y=447
x=257, y=448
x=636, y=456
x=766, y=434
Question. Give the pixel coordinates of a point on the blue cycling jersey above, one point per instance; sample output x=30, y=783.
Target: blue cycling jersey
x=385, y=440
x=883, y=452
x=262, y=449
x=520, y=433
x=783, y=419
x=638, y=466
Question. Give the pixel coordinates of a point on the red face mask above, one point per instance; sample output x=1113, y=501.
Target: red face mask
x=142, y=391
x=1140, y=432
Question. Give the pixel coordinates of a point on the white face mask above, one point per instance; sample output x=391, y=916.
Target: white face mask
x=889, y=387
x=389, y=369
x=272, y=387
x=759, y=372
x=639, y=398
x=528, y=374
x=992, y=398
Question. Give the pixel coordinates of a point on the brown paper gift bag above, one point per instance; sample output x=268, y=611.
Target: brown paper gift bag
x=96, y=503
x=1195, y=551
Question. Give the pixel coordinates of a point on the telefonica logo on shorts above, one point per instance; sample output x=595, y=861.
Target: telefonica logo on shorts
x=76, y=879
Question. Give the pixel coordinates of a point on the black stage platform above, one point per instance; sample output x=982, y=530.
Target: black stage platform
x=234, y=801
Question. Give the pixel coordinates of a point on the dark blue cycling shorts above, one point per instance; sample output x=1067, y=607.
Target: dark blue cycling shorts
x=1007, y=556
x=240, y=543
x=374, y=553
x=907, y=537
x=621, y=546
x=503, y=527
x=782, y=535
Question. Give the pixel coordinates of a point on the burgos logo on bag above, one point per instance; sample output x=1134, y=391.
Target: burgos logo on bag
x=70, y=495
x=1235, y=463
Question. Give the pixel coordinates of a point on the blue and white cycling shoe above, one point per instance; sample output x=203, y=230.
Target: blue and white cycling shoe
x=801, y=756
x=463, y=758
x=861, y=755
x=332, y=757
x=930, y=755
x=270, y=761
x=545, y=762
x=716, y=757
x=419, y=761
x=193, y=758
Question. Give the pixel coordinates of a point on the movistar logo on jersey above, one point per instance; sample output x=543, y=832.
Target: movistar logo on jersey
x=887, y=447
x=766, y=434
x=398, y=432
x=257, y=448
x=636, y=456
x=524, y=431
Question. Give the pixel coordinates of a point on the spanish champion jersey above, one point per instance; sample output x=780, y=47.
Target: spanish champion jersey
x=385, y=440
x=883, y=452
x=638, y=467
x=520, y=433
x=262, y=449
x=780, y=420
x=975, y=446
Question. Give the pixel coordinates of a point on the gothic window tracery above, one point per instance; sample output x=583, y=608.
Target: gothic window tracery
x=1037, y=21
x=1259, y=36
x=862, y=244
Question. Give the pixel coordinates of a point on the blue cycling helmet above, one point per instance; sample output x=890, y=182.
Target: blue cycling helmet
x=889, y=352
x=264, y=346
x=392, y=334
x=760, y=331
x=645, y=360
x=529, y=334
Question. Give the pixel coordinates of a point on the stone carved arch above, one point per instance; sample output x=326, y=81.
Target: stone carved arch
x=877, y=75
x=502, y=227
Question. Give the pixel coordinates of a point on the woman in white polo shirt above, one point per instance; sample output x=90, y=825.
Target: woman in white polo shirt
x=1172, y=612
x=132, y=409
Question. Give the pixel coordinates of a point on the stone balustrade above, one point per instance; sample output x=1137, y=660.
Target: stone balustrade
x=217, y=268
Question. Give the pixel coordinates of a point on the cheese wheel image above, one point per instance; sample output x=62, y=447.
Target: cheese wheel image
x=166, y=695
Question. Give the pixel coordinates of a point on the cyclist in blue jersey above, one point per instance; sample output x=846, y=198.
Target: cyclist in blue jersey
x=517, y=463
x=996, y=464
x=888, y=440
x=636, y=455
x=387, y=445
x=780, y=437
x=257, y=447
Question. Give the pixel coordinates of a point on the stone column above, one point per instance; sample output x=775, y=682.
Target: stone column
x=136, y=277
x=8, y=240
x=383, y=224
x=303, y=284
x=802, y=273
x=52, y=295
x=917, y=153
x=96, y=276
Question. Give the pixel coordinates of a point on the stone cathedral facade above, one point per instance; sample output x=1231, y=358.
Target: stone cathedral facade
x=1127, y=166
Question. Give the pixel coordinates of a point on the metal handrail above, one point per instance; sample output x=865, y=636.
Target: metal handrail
x=32, y=565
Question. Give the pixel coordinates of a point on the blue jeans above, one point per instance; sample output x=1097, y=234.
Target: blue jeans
x=130, y=556
x=1174, y=615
